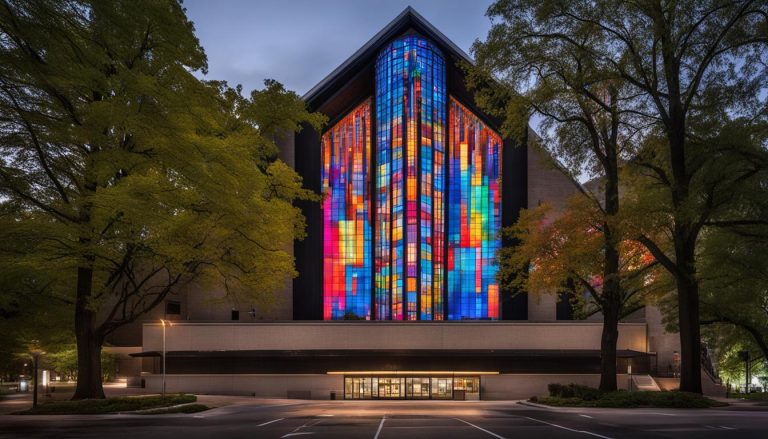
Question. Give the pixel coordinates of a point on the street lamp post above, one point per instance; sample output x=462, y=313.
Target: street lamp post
x=164, y=323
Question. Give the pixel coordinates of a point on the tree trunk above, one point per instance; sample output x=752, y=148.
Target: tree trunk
x=611, y=305
x=89, y=341
x=611, y=293
x=608, y=349
x=685, y=237
x=688, y=315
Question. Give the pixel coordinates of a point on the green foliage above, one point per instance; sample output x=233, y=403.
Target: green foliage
x=730, y=178
x=64, y=363
x=552, y=69
x=123, y=173
x=758, y=396
x=350, y=315
x=573, y=391
x=582, y=396
x=687, y=68
x=560, y=248
x=110, y=405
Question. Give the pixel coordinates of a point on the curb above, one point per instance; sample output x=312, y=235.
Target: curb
x=533, y=404
x=155, y=409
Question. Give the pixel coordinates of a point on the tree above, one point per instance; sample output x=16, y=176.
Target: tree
x=734, y=279
x=548, y=69
x=684, y=59
x=31, y=314
x=566, y=252
x=131, y=177
x=727, y=177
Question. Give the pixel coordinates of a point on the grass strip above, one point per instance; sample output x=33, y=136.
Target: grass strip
x=110, y=405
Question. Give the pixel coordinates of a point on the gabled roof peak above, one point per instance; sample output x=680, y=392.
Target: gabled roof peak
x=407, y=19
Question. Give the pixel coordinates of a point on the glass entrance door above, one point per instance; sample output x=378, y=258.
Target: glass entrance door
x=391, y=388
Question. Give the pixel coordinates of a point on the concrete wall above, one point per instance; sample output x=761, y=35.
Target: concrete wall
x=547, y=183
x=264, y=386
x=542, y=307
x=524, y=386
x=493, y=387
x=207, y=303
x=127, y=366
x=660, y=341
x=185, y=336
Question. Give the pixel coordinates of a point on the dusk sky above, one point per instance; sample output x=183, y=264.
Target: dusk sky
x=299, y=42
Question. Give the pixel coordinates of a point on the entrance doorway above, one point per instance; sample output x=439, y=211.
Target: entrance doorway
x=412, y=387
x=390, y=388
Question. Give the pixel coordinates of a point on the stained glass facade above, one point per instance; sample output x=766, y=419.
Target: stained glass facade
x=474, y=216
x=410, y=181
x=411, y=226
x=347, y=271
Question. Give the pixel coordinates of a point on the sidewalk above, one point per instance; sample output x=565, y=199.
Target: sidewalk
x=741, y=404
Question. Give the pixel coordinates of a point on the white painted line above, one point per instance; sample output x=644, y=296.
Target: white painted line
x=297, y=434
x=726, y=428
x=481, y=429
x=267, y=423
x=585, y=416
x=381, y=425
x=570, y=429
x=662, y=414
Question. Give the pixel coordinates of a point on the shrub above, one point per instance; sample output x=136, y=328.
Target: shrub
x=624, y=399
x=573, y=391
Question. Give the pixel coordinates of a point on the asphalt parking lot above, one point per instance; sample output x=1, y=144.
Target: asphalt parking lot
x=398, y=420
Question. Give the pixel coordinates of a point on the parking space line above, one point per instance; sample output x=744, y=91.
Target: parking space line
x=267, y=423
x=569, y=429
x=481, y=429
x=381, y=425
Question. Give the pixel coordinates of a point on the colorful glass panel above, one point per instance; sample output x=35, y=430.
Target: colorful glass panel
x=410, y=182
x=474, y=216
x=347, y=240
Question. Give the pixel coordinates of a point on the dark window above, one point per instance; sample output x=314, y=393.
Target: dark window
x=235, y=314
x=564, y=306
x=173, y=308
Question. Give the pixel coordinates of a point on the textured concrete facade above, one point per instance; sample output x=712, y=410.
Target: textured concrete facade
x=388, y=335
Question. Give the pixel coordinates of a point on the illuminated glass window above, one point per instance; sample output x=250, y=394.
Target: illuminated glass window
x=430, y=254
x=474, y=216
x=347, y=258
x=410, y=183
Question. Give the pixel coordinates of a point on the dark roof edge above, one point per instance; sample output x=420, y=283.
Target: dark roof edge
x=408, y=14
